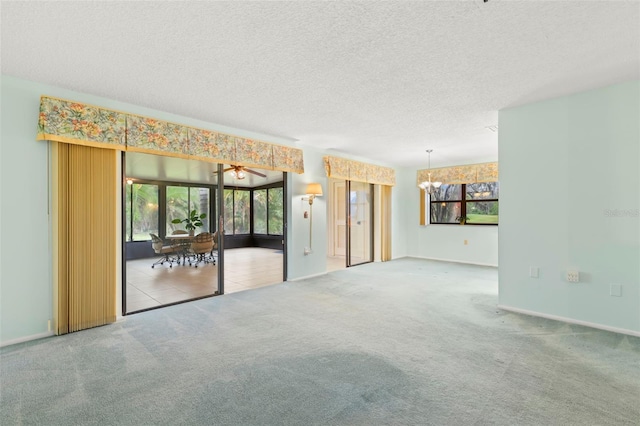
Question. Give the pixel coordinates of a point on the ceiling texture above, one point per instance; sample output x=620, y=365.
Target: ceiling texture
x=380, y=80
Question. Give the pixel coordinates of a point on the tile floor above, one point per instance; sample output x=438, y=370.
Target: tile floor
x=245, y=268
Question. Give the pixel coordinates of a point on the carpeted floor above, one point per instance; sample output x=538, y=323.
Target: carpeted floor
x=407, y=342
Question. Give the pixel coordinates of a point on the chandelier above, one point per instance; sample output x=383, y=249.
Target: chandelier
x=427, y=185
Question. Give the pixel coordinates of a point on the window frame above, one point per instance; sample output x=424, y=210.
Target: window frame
x=463, y=207
x=233, y=190
x=275, y=185
x=162, y=204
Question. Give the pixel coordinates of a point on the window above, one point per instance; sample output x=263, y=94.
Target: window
x=479, y=206
x=237, y=211
x=141, y=211
x=267, y=211
x=260, y=211
x=275, y=211
x=241, y=212
x=181, y=200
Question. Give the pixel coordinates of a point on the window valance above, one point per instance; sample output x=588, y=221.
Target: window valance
x=77, y=123
x=341, y=168
x=472, y=173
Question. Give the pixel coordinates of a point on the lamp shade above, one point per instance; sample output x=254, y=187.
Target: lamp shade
x=314, y=189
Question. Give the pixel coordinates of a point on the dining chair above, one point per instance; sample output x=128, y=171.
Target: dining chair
x=201, y=249
x=159, y=247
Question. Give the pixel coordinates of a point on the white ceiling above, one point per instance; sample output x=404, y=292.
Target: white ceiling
x=155, y=167
x=381, y=80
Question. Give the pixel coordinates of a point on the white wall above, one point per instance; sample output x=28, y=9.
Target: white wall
x=569, y=199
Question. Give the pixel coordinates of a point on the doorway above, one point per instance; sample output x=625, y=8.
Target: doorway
x=360, y=223
x=350, y=224
x=159, y=192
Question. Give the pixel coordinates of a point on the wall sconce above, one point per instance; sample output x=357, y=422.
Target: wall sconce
x=313, y=190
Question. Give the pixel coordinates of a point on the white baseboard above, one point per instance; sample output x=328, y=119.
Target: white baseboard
x=454, y=261
x=306, y=277
x=27, y=338
x=570, y=320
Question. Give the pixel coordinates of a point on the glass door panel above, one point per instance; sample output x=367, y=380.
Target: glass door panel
x=360, y=223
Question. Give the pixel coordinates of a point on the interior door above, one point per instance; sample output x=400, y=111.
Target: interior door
x=360, y=221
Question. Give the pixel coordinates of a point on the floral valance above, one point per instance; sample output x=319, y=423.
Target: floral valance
x=472, y=173
x=72, y=122
x=341, y=168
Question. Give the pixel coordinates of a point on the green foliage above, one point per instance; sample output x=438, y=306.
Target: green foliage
x=192, y=221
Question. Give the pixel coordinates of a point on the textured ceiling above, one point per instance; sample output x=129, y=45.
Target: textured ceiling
x=382, y=80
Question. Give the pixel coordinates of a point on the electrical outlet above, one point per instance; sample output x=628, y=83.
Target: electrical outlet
x=534, y=271
x=615, y=290
x=573, y=276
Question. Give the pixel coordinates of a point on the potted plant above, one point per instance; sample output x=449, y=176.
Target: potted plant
x=192, y=221
x=462, y=219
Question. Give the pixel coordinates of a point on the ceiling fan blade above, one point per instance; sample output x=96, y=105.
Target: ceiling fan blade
x=255, y=173
x=228, y=168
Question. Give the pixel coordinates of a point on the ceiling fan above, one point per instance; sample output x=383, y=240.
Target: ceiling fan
x=239, y=172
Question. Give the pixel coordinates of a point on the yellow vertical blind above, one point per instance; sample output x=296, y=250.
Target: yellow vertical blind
x=85, y=231
x=385, y=222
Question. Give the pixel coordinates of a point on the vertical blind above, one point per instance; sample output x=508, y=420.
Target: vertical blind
x=385, y=223
x=84, y=229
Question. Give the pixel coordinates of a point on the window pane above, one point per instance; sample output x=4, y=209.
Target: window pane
x=482, y=212
x=199, y=201
x=177, y=207
x=260, y=211
x=242, y=208
x=445, y=212
x=447, y=192
x=145, y=211
x=228, y=211
x=275, y=211
x=482, y=191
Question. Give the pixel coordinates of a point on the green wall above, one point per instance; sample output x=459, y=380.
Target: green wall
x=569, y=200
x=26, y=294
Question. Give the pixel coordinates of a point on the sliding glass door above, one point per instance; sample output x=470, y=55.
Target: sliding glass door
x=360, y=223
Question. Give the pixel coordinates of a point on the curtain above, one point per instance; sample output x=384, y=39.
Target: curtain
x=84, y=228
x=385, y=223
x=423, y=208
